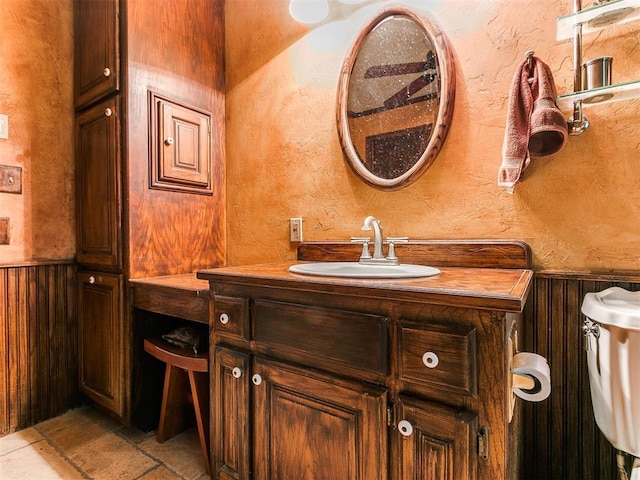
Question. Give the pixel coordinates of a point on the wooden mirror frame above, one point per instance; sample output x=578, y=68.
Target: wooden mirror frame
x=446, y=66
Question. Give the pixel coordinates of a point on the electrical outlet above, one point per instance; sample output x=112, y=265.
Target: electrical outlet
x=295, y=229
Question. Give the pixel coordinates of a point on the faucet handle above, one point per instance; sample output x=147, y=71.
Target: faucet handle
x=397, y=239
x=365, y=246
x=391, y=254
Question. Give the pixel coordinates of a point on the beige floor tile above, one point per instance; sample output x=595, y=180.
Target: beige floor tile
x=160, y=473
x=111, y=457
x=39, y=461
x=18, y=440
x=181, y=453
x=77, y=427
x=135, y=435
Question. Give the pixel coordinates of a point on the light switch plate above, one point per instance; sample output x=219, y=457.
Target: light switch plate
x=10, y=179
x=4, y=126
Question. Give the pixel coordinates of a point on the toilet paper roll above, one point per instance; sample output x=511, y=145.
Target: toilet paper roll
x=536, y=367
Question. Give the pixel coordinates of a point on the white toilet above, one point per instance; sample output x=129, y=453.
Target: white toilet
x=612, y=340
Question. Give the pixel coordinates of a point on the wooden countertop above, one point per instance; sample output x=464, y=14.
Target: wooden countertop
x=187, y=282
x=183, y=296
x=485, y=288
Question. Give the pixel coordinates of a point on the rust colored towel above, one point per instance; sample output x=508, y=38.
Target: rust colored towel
x=535, y=126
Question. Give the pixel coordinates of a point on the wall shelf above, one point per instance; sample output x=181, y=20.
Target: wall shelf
x=601, y=95
x=598, y=17
x=588, y=20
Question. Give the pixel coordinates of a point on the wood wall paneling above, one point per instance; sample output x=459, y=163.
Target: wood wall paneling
x=37, y=343
x=38, y=364
x=561, y=439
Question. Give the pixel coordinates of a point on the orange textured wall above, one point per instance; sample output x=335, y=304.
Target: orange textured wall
x=36, y=92
x=578, y=209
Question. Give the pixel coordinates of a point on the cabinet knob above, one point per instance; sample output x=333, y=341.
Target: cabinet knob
x=430, y=360
x=92, y=279
x=236, y=372
x=108, y=112
x=106, y=72
x=168, y=141
x=405, y=428
x=224, y=318
x=256, y=379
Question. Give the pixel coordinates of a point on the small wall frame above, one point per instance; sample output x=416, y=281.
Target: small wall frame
x=180, y=146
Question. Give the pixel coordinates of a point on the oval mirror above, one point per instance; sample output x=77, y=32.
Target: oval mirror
x=395, y=98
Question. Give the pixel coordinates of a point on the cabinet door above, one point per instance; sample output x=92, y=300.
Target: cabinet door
x=435, y=442
x=100, y=339
x=97, y=63
x=98, y=186
x=311, y=426
x=230, y=414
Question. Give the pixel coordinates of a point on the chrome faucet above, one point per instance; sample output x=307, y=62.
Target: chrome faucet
x=378, y=257
x=377, y=236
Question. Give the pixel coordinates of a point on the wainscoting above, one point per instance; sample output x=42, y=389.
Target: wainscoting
x=38, y=363
x=562, y=440
x=38, y=353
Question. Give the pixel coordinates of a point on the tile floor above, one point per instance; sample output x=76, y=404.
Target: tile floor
x=85, y=444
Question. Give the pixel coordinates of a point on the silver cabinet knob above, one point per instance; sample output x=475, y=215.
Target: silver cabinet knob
x=405, y=428
x=236, y=372
x=108, y=112
x=106, y=72
x=92, y=279
x=168, y=141
x=430, y=360
x=256, y=379
x=224, y=318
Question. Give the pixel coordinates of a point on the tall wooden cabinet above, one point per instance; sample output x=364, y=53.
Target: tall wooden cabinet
x=148, y=202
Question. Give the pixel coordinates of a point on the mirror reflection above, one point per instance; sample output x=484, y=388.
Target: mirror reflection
x=390, y=107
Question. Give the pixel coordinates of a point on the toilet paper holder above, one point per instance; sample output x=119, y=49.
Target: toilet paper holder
x=523, y=382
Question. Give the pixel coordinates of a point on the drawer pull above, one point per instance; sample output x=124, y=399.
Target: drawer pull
x=92, y=279
x=106, y=72
x=430, y=360
x=224, y=318
x=236, y=372
x=256, y=379
x=405, y=428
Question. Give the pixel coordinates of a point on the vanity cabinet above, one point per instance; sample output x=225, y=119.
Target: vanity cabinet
x=127, y=56
x=355, y=379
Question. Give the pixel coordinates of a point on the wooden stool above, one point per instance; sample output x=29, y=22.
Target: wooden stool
x=182, y=365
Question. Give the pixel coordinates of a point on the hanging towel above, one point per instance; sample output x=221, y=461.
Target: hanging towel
x=535, y=125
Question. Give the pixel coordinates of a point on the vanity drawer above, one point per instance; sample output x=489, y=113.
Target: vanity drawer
x=231, y=316
x=334, y=340
x=441, y=356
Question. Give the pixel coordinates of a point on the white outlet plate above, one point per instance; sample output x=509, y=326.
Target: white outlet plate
x=295, y=229
x=4, y=126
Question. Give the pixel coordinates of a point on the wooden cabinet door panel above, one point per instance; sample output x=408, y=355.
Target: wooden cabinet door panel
x=100, y=339
x=311, y=426
x=98, y=182
x=442, y=444
x=230, y=414
x=97, y=64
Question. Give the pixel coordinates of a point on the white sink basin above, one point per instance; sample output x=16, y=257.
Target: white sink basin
x=357, y=270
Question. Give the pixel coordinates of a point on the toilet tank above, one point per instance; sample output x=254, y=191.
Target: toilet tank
x=613, y=358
